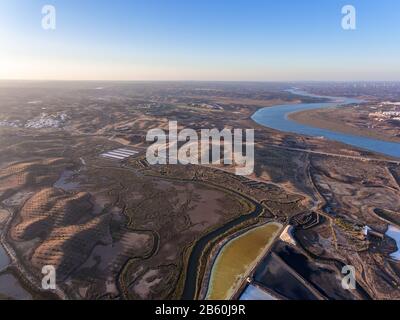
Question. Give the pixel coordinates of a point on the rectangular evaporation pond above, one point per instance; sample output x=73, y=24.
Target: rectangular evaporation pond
x=122, y=153
x=394, y=233
x=127, y=150
x=255, y=293
x=118, y=154
x=237, y=258
x=111, y=156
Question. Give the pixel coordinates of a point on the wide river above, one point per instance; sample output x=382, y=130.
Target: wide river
x=276, y=117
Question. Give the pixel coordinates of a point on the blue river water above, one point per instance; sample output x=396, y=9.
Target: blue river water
x=276, y=117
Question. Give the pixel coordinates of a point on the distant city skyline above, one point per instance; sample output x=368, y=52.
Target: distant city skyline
x=253, y=40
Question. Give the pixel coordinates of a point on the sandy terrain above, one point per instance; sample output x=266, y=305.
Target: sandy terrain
x=332, y=119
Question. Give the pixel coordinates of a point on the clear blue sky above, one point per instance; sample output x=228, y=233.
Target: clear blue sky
x=200, y=40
